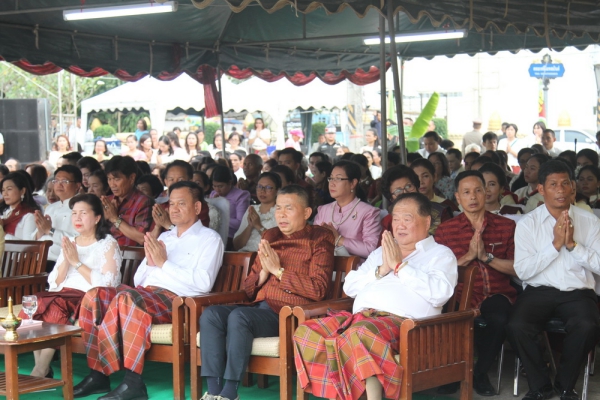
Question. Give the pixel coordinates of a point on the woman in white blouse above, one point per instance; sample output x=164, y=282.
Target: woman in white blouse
x=260, y=137
x=258, y=218
x=17, y=210
x=89, y=260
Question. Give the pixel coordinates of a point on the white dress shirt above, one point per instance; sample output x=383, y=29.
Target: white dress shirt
x=60, y=213
x=193, y=261
x=538, y=263
x=25, y=228
x=425, y=154
x=421, y=288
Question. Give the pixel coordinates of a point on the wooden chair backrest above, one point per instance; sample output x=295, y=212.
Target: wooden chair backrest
x=234, y=269
x=466, y=276
x=24, y=257
x=132, y=258
x=342, y=267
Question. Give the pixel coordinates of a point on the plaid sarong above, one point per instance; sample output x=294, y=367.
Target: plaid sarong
x=60, y=307
x=116, y=325
x=336, y=354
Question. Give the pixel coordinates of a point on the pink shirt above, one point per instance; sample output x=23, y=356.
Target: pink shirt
x=360, y=228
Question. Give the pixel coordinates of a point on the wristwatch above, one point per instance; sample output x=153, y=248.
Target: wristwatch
x=79, y=264
x=280, y=274
x=117, y=223
x=172, y=227
x=490, y=258
x=51, y=233
x=572, y=248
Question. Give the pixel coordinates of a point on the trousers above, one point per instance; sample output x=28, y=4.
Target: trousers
x=534, y=307
x=226, y=335
x=488, y=341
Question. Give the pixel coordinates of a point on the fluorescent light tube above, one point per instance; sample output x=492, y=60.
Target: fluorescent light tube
x=421, y=37
x=119, y=11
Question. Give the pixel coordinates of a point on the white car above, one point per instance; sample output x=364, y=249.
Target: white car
x=565, y=139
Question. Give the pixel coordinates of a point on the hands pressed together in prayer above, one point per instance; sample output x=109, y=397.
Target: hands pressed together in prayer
x=43, y=223
x=392, y=255
x=161, y=217
x=110, y=209
x=155, y=250
x=254, y=219
x=476, y=248
x=269, y=260
x=563, y=232
x=70, y=251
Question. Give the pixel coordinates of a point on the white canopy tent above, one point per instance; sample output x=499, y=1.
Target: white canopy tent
x=252, y=95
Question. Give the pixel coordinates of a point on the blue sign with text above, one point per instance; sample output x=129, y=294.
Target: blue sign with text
x=546, y=71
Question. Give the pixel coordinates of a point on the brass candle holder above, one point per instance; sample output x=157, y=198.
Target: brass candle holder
x=10, y=323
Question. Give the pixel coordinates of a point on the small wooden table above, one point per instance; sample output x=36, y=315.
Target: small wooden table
x=37, y=338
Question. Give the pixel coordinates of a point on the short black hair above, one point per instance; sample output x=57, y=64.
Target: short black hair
x=425, y=163
x=324, y=157
x=89, y=163
x=187, y=167
x=467, y=174
x=481, y=160
x=493, y=155
x=551, y=132
x=4, y=170
x=393, y=157
x=489, y=136
x=123, y=165
x=156, y=187
x=525, y=150
x=222, y=174
x=589, y=154
x=570, y=156
x=71, y=170
x=456, y=152
x=275, y=178
x=432, y=135
x=447, y=144
x=423, y=203
x=395, y=173
x=293, y=152
x=554, y=167
x=472, y=155
x=144, y=167
x=491, y=168
x=72, y=157
x=298, y=191
x=194, y=188
x=286, y=171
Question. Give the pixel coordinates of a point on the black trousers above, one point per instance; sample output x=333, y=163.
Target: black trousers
x=488, y=341
x=534, y=307
x=226, y=335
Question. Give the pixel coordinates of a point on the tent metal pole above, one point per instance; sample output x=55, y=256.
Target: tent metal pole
x=222, y=111
x=382, y=89
x=397, y=91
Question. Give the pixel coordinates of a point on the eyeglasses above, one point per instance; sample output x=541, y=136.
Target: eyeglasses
x=62, y=182
x=405, y=189
x=337, y=180
x=265, y=188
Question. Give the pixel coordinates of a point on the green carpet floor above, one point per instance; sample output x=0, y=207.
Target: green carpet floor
x=158, y=378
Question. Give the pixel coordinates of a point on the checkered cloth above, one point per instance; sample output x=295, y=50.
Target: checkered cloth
x=336, y=354
x=116, y=325
x=60, y=307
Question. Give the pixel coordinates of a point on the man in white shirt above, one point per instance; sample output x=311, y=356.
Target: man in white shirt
x=116, y=322
x=548, y=139
x=56, y=223
x=431, y=141
x=409, y=276
x=557, y=253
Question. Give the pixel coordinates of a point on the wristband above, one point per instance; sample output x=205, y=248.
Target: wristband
x=337, y=241
x=78, y=265
x=399, y=266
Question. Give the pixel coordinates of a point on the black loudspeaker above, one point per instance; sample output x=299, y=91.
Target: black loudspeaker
x=24, y=124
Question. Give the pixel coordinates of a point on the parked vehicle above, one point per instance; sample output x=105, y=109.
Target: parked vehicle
x=565, y=139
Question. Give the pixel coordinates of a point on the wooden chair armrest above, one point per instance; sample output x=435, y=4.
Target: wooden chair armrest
x=454, y=316
x=19, y=286
x=319, y=308
x=196, y=304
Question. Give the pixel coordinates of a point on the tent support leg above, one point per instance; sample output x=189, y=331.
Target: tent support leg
x=395, y=71
x=222, y=111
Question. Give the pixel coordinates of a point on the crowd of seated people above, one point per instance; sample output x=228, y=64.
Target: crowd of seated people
x=298, y=211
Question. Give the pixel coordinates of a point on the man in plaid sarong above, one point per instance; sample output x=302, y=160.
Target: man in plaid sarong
x=409, y=276
x=116, y=322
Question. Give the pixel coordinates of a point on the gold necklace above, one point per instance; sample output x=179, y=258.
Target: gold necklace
x=347, y=216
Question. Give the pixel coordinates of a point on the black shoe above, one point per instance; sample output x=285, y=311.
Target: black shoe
x=50, y=374
x=565, y=394
x=483, y=386
x=126, y=392
x=450, y=388
x=546, y=392
x=92, y=384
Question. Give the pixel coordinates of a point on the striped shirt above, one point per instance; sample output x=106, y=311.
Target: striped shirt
x=307, y=257
x=135, y=210
x=498, y=238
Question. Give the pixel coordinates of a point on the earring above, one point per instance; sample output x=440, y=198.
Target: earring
x=351, y=190
x=22, y=197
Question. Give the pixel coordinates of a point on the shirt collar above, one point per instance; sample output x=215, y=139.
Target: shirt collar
x=545, y=214
x=348, y=206
x=425, y=244
x=192, y=230
x=487, y=220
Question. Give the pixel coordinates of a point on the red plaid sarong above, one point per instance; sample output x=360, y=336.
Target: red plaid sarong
x=336, y=354
x=60, y=307
x=116, y=325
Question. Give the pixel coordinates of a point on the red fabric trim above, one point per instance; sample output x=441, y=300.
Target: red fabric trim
x=206, y=75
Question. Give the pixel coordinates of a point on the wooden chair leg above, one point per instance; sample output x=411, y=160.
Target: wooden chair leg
x=263, y=381
x=247, y=380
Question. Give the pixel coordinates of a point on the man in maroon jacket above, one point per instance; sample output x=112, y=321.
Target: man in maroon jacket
x=294, y=266
x=486, y=241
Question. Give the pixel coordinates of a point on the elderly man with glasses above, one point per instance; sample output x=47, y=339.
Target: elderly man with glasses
x=56, y=222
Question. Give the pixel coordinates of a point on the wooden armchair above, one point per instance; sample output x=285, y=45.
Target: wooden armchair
x=23, y=269
x=434, y=350
x=270, y=356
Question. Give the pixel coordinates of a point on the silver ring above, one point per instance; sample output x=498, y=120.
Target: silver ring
x=106, y=207
x=159, y=214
